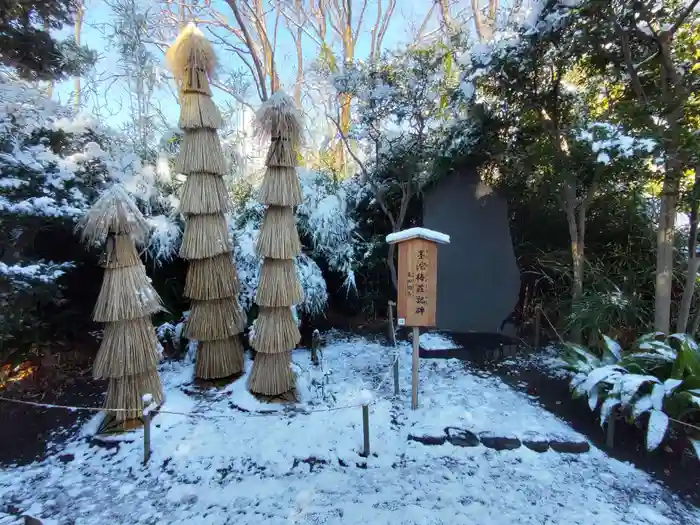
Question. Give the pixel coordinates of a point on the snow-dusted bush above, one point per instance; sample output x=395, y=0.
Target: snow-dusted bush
x=53, y=165
x=658, y=376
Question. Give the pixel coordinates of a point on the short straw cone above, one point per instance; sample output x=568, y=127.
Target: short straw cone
x=128, y=354
x=127, y=393
x=276, y=332
x=215, y=318
x=280, y=187
x=278, y=238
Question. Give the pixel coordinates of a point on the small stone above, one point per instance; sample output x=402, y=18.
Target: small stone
x=28, y=520
x=428, y=440
x=499, y=442
x=461, y=438
x=66, y=458
x=536, y=445
x=570, y=447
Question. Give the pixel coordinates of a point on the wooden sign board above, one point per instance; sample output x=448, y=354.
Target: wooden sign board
x=417, y=279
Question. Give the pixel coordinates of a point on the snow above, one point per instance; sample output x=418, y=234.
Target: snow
x=418, y=233
x=233, y=458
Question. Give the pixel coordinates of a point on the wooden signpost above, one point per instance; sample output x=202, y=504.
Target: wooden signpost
x=417, y=286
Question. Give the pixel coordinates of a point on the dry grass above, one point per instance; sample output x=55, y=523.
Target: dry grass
x=204, y=193
x=113, y=213
x=120, y=252
x=278, y=237
x=219, y=359
x=280, y=187
x=278, y=284
x=126, y=293
x=205, y=236
x=271, y=374
x=127, y=393
x=200, y=152
x=281, y=154
x=128, y=348
x=211, y=278
x=214, y=320
x=197, y=110
x=190, y=51
x=275, y=331
x=279, y=117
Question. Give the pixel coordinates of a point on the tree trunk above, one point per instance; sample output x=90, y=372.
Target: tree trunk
x=391, y=259
x=693, y=260
x=77, y=33
x=664, y=255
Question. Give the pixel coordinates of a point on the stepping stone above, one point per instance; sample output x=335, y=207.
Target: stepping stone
x=428, y=440
x=570, y=447
x=535, y=442
x=461, y=438
x=490, y=440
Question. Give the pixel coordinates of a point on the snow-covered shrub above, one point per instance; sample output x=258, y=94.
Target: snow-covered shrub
x=658, y=376
x=53, y=165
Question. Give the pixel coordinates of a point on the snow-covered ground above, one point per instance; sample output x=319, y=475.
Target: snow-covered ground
x=236, y=462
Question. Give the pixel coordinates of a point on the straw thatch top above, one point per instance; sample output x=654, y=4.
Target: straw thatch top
x=278, y=117
x=114, y=212
x=190, y=49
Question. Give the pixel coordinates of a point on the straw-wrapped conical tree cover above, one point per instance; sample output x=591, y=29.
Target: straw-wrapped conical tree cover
x=215, y=319
x=276, y=333
x=128, y=356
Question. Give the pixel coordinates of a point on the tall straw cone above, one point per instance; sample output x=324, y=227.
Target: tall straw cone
x=204, y=193
x=280, y=187
x=128, y=392
x=278, y=284
x=200, y=152
x=126, y=293
x=212, y=278
x=120, y=252
x=271, y=374
x=128, y=348
x=276, y=331
x=215, y=319
x=278, y=237
x=205, y=236
x=220, y=358
x=197, y=110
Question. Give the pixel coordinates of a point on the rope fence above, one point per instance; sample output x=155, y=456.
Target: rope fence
x=150, y=408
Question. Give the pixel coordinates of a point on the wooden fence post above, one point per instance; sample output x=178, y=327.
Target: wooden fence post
x=392, y=339
x=146, y=429
x=538, y=327
x=414, y=368
x=610, y=434
x=365, y=430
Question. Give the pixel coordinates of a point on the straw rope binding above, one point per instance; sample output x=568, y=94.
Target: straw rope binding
x=219, y=358
x=120, y=252
x=215, y=319
x=278, y=238
x=197, y=110
x=278, y=284
x=282, y=153
x=204, y=193
x=128, y=348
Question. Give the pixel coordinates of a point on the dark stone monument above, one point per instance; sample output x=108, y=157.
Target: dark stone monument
x=478, y=277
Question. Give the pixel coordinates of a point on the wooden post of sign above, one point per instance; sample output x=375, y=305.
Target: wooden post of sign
x=417, y=286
